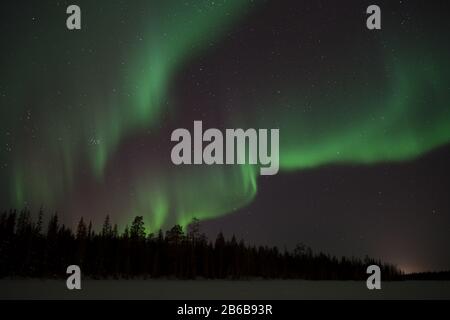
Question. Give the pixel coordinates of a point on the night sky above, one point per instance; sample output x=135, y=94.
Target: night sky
x=364, y=118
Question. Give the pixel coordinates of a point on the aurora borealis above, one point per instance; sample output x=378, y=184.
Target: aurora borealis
x=86, y=115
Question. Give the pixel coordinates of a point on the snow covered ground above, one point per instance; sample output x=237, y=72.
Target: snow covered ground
x=217, y=289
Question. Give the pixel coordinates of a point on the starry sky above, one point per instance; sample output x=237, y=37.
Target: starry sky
x=364, y=118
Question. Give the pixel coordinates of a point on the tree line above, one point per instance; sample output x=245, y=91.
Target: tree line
x=27, y=249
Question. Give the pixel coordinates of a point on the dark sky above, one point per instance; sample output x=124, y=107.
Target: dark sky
x=364, y=119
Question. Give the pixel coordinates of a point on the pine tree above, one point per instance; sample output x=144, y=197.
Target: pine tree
x=106, y=230
x=175, y=235
x=90, y=231
x=193, y=232
x=137, y=230
x=40, y=221
x=82, y=230
x=115, y=232
x=53, y=227
x=23, y=222
x=126, y=233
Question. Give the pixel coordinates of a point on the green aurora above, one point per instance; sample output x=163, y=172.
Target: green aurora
x=66, y=134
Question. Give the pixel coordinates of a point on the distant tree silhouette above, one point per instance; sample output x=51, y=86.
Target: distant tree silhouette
x=27, y=251
x=175, y=235
x=137, y=231
x=107, y=229
x=81, y=230
x=40, y=221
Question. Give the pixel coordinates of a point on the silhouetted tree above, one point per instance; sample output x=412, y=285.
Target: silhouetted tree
x=137, y=230
x=107, y=229
x=40, y=220
x=81, y=230
x=25, y=250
